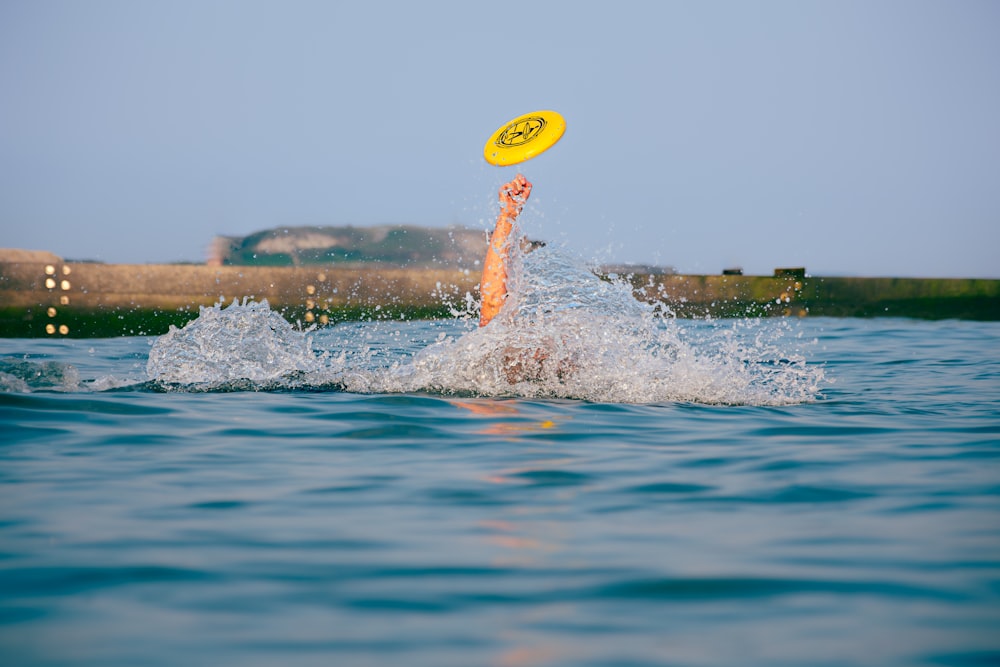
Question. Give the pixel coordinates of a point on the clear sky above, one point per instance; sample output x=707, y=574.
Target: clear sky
x=850, y=137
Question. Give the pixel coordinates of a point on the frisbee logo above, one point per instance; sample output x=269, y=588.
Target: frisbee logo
x=521, y=132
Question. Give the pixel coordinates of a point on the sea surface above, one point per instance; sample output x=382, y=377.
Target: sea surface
x=650, y=492
x=145, y=524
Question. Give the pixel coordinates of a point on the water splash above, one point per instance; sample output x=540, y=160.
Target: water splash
x=244, y=345
x=563, y=333
x=26, y=375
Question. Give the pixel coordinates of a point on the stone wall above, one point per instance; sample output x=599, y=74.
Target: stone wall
x=56, y=298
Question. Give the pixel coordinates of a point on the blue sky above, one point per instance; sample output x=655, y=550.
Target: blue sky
x=850, y=137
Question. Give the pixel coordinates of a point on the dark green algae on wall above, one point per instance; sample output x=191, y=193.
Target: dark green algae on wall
x=81, y=300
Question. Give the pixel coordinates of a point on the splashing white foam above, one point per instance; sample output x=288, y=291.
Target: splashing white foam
x=245, y=341
x=563, y=333
x=566, y=333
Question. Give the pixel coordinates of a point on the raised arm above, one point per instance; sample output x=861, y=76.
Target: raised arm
x=493, y=284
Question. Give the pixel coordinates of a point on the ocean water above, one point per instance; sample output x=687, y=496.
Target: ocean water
x=643, y=491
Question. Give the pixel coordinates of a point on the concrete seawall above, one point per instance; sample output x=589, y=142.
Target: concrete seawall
x=62, y=299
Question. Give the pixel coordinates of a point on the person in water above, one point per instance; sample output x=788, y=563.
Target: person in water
x=520, y=363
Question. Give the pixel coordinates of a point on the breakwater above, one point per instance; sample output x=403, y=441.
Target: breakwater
x=81, y=300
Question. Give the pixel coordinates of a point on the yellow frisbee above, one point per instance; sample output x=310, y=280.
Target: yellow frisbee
x=524, y=137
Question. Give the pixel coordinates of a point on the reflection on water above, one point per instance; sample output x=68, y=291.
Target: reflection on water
x=153, y=524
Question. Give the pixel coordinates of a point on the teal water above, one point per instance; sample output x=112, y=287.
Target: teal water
x=809, y=492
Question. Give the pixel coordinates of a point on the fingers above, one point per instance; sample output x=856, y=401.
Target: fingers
x=519, y=187
x=523, y=186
